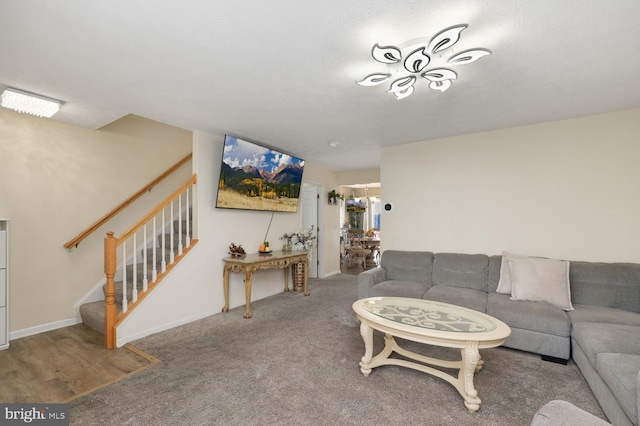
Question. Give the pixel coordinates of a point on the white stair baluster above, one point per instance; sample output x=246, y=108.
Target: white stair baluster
x=163, y=265
x=134, y=275
x=124, y=277
x=145, y=259
x=179, y=224
x=154, y=271
x=171, y=254
x=187, y=238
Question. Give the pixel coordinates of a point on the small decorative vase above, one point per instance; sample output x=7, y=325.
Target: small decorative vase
x=286, y=246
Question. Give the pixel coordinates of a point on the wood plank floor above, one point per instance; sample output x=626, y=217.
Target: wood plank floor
x=61, y=365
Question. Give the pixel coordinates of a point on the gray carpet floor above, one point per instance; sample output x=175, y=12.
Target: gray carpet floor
x=296, y=363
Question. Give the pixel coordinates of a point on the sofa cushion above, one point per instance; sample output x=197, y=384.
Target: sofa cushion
x=469, y=298
x=596, y=338
x=398, y=288
x=588, y=313
x=408, y=266
x=541, y=280
x=612, y=285
x=535, y=316
x=619, y=372
x=504, y=283
x=461, y=270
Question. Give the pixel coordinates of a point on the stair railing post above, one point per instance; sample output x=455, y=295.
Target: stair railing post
x=110, y=310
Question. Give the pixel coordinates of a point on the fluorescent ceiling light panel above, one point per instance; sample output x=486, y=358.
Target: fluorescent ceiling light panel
x=29, y=103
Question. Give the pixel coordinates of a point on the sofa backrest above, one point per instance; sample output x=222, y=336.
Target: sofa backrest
x=495, y=262
x=612, y=285
x=461, y=270
x=408, y=265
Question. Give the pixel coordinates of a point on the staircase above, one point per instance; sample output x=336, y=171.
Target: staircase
x=93, y=313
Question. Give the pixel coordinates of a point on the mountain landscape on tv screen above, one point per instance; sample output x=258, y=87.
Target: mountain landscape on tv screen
x=284, y=180
x=250, y=187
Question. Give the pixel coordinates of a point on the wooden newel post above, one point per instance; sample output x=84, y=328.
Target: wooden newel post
x=110, y=309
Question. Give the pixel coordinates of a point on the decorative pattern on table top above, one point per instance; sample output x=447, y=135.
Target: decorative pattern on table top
x=435, y=318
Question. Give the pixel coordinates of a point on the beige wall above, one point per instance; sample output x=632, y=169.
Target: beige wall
x=355, y=177
x=194, y=288
x=57, y=179
x=329, y=215
x=565, y=189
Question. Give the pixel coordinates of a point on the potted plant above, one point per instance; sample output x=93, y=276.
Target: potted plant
x=334, y=196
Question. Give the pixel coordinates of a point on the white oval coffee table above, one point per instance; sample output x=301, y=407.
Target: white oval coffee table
x=432, y=323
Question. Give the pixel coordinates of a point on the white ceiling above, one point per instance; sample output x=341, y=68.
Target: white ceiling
x=283, y=72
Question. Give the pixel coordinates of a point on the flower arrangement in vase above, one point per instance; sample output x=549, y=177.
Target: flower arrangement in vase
x=301, y=240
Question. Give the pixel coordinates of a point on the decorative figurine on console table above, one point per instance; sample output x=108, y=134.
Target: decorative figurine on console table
x=236, y=251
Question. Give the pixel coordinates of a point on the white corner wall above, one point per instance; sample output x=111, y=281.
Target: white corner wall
x=565, y=189
x=194, y=288
x=56, y=180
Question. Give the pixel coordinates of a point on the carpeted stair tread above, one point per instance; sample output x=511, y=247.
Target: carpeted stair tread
x=92, y=313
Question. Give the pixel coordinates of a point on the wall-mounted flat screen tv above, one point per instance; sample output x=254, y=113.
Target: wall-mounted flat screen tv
x=254, y=177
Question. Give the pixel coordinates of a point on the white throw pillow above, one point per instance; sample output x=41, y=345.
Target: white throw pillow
x=541, y=280
x=504, y=284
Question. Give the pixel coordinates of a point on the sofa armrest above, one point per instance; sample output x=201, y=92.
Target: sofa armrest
x=367, y=279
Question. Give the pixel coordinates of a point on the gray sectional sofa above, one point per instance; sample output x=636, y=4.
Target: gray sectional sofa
x=601, y=334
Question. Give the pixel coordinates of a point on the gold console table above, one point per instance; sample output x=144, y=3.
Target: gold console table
x=256, y=262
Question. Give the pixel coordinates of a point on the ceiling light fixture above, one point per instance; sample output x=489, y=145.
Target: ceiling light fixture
x=29, y=103
x=408, y=62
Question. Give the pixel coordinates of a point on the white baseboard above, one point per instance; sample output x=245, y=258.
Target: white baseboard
x=127, y=339
x=42, y=328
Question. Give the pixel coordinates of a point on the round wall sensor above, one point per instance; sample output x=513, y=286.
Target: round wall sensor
x=388, y=207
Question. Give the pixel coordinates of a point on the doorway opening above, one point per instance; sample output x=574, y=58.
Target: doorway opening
x=360, y=227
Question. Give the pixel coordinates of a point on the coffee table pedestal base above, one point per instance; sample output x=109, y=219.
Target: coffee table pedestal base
x=467, y=366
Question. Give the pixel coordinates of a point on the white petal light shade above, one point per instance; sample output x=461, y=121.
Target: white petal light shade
x=440, y=74
x=374, y=79
x=446, y=38
x=408, y=61
x=29, y=103
x=417, y=60
x=440, y=85
x=402, y=84
x=386, y=54
x=404, y=93
x=469, y=56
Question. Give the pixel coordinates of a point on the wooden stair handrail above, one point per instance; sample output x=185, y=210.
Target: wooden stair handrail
x=84, y=234
x=129, y=232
